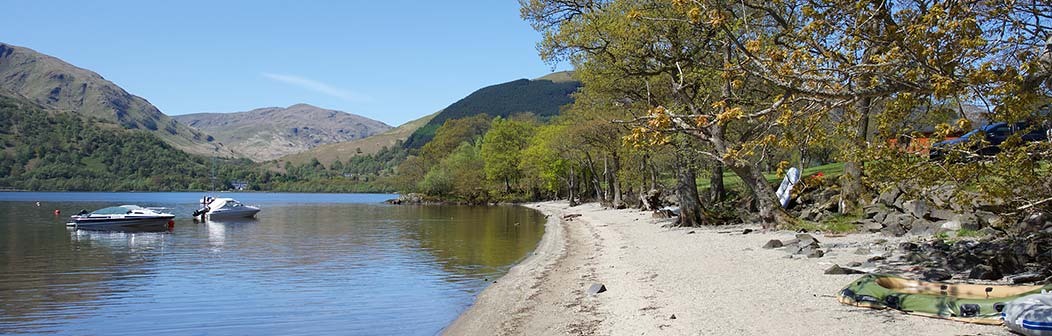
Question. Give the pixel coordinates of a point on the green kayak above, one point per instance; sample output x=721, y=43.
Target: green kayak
x=960, y=302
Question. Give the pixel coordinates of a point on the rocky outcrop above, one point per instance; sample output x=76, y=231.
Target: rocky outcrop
x=273, y=132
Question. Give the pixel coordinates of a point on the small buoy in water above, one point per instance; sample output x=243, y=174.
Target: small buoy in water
x=57, y=212
x=38, y=203
x=171, y=224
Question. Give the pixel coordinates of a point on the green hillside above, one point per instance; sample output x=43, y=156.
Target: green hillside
x=542, y=97
x=49, y=150
x=59, y=86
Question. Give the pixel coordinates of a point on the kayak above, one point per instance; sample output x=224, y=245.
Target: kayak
x=971, y=303
x=1030, y=315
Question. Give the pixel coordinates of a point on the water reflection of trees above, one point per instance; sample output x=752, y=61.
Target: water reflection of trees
x=477, y=241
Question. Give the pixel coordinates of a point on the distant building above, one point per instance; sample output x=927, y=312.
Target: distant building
x=239, y=185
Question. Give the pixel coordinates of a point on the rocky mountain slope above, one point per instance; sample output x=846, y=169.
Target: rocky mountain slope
x=327, y=154
x=56, y=85
x=269, y=133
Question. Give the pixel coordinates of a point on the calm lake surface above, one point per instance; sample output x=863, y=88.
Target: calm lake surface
x=334, y=264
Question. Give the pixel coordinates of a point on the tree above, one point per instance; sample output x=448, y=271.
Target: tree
x=673, y=62
x=502, y=148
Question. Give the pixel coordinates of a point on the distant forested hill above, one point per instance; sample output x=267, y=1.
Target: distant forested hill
x=542, y=97
x=59, y=86
x=49, y=150
x=54, y=150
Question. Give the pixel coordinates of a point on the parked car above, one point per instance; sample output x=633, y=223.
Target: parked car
x=994, y=134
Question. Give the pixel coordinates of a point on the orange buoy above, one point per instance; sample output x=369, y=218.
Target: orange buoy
x=171, y=224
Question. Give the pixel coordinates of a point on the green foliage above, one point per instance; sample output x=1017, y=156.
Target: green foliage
x=502, y=148
x=58, y=151
x=540, y=97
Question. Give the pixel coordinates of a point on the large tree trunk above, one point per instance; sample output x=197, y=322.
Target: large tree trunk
x=594, y=178
x=613, y=185
x=572, y=192
x=716, y=191
x=687, y=191
x=771, y=213
x=851, y=188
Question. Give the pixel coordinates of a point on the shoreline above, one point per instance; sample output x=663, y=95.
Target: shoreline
x=707, y=281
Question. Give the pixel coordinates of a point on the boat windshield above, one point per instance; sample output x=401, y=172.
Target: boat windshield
x=232, y=204
x=117, y=210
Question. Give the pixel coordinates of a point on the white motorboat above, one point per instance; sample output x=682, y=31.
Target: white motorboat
x=225, y=208
x=124, y=217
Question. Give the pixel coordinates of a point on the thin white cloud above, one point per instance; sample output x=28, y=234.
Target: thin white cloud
x=318, y=87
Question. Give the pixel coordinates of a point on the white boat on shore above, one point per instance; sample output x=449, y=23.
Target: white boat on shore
x=123, y=218
x=225, y=208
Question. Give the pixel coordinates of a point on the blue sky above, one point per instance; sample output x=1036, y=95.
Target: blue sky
x=390, y=60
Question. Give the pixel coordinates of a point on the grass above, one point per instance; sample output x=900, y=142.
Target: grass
x=837, y=223
x=732, y=181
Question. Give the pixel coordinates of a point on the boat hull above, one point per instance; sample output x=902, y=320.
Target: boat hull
x=122, y=224
x=244, y=212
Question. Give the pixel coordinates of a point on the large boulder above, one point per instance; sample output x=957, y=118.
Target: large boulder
x=985, y=272
x=897, y=224
x=923, y=227
x=917, y=208
x=889, y=196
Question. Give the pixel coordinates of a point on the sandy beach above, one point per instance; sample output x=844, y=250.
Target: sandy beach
x=662, y=281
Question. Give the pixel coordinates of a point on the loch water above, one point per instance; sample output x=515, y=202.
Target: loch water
x=310, y=264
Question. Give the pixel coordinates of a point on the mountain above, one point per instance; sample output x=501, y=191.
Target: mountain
x=542, y=97
x=269, y=133
x=59, y=86
x=329, y=153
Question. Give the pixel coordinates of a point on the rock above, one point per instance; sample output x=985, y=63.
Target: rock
x=987, y=218
x=690, y=232
x=837, y=270
x=968, y=221
x=673, y=317
x=854, y=264
x=876, y=258
x=922, y=227
x=663, y=213
x=806, y=239
x=888, y=197
x=863, y=251
x=872, y=210
x=917, y=208
x=949, y=225
x=941, y=214
x=936, y=275
x=880, y=217
x=1026, y=277
x=596, y=289
x=897, y=224
x=816, y=253
x=865, y=225
x=773, y=243
x=807, y=214
x=908, y=247
x=571, y=216
x=746, y=231
x=984, y=272
x=1035, y=222
x=652, y=200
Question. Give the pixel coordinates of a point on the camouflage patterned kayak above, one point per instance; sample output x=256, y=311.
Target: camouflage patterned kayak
x=981, y=304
